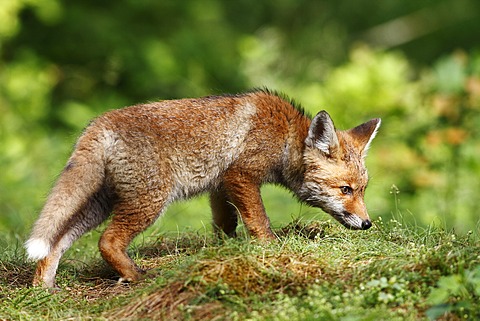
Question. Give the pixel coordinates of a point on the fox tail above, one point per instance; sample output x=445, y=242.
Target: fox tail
x=82, y=177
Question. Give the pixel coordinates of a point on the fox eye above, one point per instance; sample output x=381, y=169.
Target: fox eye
x=346, y=190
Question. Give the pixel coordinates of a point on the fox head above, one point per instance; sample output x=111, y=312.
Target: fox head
x=335, y=176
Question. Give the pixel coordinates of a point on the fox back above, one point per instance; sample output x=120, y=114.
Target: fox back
x=134, y=162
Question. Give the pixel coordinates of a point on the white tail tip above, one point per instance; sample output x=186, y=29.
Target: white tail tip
x=37, y=249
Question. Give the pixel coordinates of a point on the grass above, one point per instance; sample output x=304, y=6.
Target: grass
x=316, y=271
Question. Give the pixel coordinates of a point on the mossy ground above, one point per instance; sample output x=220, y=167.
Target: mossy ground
x=315, y=271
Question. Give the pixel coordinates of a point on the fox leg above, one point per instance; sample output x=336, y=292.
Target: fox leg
x=128, y=221
x=245, y=196
x=224, y=213
x=94, y=212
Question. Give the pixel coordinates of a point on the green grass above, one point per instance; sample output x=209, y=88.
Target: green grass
x=316, y=271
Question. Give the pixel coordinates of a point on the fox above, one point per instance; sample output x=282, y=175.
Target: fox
x=129, y=164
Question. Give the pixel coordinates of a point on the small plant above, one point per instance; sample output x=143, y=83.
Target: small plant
x=386, y=291
x=457, y=294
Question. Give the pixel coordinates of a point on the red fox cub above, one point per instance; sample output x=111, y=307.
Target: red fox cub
x=134, y=162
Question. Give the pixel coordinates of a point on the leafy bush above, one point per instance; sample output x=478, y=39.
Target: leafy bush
x=457, y=294
x=49, y=89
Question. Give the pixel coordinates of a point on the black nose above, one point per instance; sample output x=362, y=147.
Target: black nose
x=366, y=225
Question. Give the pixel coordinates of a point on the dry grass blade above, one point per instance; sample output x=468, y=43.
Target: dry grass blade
x=252, y=274
x=169, y=303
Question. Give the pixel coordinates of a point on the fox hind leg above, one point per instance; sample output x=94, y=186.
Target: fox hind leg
x=128, y=221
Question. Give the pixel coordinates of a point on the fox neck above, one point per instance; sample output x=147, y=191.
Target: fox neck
x=293, y=170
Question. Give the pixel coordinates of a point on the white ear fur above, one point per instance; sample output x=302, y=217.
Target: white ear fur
x=372, y=136
x=322, y=135
x=364, y=134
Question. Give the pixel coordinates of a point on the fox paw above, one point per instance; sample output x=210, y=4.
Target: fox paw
x=140, y=275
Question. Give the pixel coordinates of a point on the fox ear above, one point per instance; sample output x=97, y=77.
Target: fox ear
x=364, y=134
x=322, y=135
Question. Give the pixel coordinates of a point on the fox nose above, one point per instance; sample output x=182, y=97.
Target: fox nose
x=366, y=224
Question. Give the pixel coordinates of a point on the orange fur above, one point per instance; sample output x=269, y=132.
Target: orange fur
x=135, y=161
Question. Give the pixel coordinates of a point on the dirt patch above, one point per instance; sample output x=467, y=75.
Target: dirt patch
x=170, y=303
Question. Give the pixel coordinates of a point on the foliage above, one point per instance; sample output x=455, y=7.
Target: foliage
x=458, y=293
x=63, y=63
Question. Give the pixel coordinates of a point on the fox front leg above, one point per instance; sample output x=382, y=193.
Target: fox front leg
x=225, y=215
x=245, y=196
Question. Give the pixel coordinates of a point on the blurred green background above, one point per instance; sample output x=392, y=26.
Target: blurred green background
x=415, y=64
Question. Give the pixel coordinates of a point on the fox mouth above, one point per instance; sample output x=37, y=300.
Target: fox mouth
x=347, y=219
x=352, y=221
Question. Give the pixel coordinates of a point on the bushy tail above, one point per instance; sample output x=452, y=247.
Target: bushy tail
x=81, y=178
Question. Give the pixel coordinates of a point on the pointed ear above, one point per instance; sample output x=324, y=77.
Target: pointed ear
x=322, y=135
x=364, y=134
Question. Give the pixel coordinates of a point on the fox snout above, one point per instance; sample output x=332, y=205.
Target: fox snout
x=353, y=221
x=354, y=214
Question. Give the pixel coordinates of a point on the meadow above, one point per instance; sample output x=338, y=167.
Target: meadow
x=317, y=270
